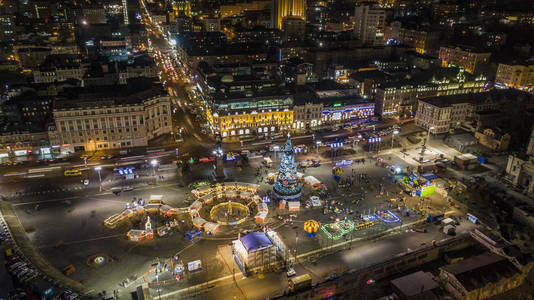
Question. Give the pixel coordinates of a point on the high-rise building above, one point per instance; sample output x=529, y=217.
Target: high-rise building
x=369, y=25
x=287, y=8
x=182, y=8
x=125, y=12
x=131, y=11
x=293, y=28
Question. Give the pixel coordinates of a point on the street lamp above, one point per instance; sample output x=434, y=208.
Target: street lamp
x=154, y=163
x=423, y=148
x=393, y=134
x=98, y=169
x=374, y=142
x=428, y=134
x=333, y=149
x=218, y=152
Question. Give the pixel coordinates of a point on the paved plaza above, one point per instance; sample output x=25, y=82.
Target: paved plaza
x=67, y=226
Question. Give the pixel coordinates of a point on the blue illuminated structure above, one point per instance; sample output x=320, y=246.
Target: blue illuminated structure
x=388, y=217
x=287, y=185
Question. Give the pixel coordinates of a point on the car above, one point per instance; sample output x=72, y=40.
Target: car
x=23, y=271
x=16, y=265
x=344, y=162
x=126, y=188
x=11, y=260
x=86, y=182
x=27, y=272
x=305, y=163
x=291, y=272
x=29, y=277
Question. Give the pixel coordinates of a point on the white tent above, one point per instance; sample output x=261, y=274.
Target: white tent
x=311, y=181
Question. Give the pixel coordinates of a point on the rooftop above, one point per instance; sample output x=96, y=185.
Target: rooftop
x=449, y=100
x=415, y=284
x=496, y=95
x=256, y=241
x=134, y=93
x=479, y=270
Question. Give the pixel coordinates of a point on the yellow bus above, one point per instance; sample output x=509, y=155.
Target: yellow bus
x=301, y=282
x=72, y=172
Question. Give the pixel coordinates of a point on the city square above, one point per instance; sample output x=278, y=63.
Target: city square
x=369, y=190
x=266, y=149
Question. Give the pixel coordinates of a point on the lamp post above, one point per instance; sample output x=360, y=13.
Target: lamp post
x=423, y=148
x=157, y=280
x=218, y=152
x=393, y=134
x=334, y=147
x=154, y=163
x=98, y=169
x=296, y=244
x=374, y=142
x=428, y=134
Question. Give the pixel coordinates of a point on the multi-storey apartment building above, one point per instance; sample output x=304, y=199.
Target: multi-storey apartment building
x=474, y=62
x=425, y=41
x=518, y=76
x=399, y=99
x=369, y=25
x=440, y=114
x=109, y=122
x=60, y=67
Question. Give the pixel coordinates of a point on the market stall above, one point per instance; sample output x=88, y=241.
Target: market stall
x=195, y=207
x=312, y=182
x=137, y=235
x=199, y=222
x=417, y=185
x=211, y=227
x=166, y=210
x=293, y=205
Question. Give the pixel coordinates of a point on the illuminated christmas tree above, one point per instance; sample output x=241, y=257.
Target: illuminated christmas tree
x=287, y=185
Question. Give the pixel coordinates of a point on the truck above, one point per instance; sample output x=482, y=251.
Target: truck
x=299, y=283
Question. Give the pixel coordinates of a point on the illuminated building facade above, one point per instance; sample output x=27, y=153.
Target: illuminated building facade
x=445, y=112
x=110, y=123
x=126, y=19
x=232, y=10
x=520, y=76
x=262, y=116
x=472, y=61
x=348, y=111
x=287, y=8
x=249, y=104
x=334, y=107
x=400, y=99
x=182, y=8
x=424, y=41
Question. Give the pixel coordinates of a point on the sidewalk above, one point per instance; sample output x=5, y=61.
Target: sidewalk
x=5, y=278
x=31, y=253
